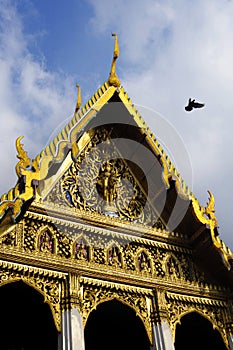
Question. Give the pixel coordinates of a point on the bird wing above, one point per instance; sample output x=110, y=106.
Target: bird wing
x=198, y=105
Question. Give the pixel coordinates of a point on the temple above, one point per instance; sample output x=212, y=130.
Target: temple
x=104, y=246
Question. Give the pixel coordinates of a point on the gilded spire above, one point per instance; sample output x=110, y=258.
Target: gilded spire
x=113, y=78
x=79, y=99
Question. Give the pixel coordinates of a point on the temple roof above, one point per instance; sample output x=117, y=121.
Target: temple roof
x=32, y=172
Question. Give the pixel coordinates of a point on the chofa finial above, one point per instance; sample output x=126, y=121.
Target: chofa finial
x=24, y=160
x=113, y=78
x=210, y=208
x=79, y=99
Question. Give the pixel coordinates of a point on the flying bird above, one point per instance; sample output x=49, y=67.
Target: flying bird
x=193, y=104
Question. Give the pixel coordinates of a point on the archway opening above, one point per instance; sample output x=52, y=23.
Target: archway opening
x=113, y=325
x=196, y=332
x=26, y=322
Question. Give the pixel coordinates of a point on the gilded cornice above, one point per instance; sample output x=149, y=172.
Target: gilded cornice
x=197, y=299
x=114, y=275
x=100, y=283
x=165, y=266
x=98, y=224
x=32, y=269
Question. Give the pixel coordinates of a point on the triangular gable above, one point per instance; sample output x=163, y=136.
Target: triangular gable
x=101, y=180
x=65, y=147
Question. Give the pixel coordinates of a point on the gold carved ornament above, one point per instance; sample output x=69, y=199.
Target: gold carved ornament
x=24, y=161
x=29, y=173
x=24, y=191
x=207, y=216
x=93, y=247
x=95, y=184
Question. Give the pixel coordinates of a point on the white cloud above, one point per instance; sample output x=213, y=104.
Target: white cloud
x=33, y=100
x=140, y=24
x=172, y=51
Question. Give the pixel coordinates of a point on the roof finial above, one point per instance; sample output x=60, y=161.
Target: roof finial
x=24, y=160
x=113, y=78
x=79, y=99
x=210, y=208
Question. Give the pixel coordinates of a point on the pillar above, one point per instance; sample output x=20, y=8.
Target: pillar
x=230, y=340
x=162, y=337
x=229, y=324
x=230, y=334
x=72, y=330
x=162, y=334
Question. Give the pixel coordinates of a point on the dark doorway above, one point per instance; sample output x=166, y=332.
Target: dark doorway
x=196, y=332
x=26, y=321
x=115, y=326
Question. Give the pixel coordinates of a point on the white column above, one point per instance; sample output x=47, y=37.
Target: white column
x=162, y=337
x=77, y=330
x=72, y=334
x=64, y=339
x=167, y=336
x=230, y=340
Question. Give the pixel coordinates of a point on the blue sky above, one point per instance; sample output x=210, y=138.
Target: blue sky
x=64, y=37
x=169, y=51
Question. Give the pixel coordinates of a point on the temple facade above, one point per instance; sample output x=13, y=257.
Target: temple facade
x=104, y=246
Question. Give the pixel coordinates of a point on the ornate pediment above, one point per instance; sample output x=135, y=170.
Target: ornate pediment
x=74, y=171
x=101, y=180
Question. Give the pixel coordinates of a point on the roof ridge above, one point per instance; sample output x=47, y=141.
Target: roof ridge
x=63, y=135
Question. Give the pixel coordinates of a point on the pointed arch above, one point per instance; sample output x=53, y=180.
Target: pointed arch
x=196, y=330
x=121, y=327
x=26, y=320
x=141, y=303
x=44, y=282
